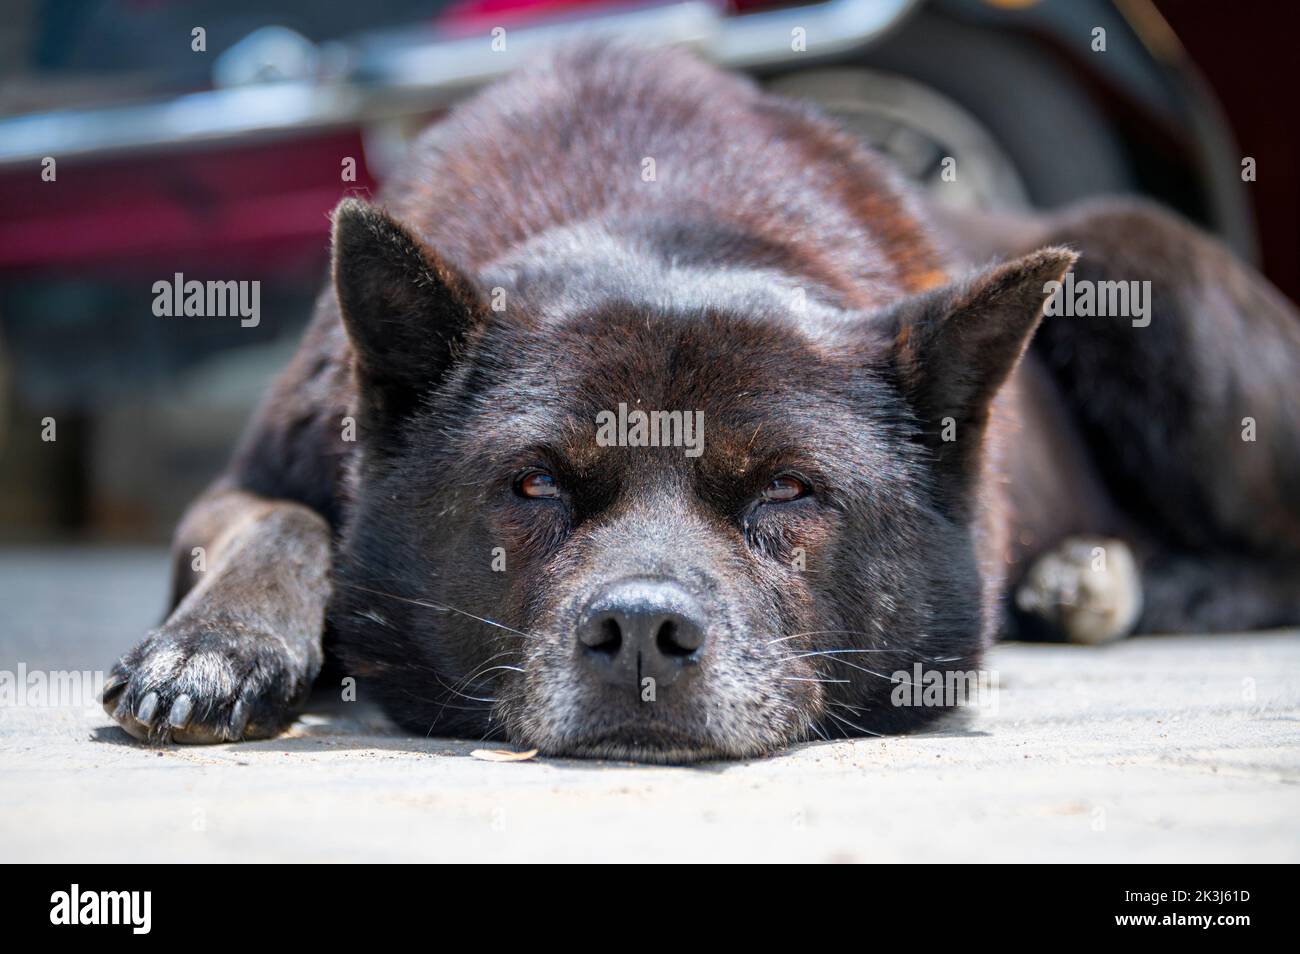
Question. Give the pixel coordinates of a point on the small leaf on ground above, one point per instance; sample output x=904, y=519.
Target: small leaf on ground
x=501, y=755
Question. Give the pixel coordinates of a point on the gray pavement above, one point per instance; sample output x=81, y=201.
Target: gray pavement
x=1156, y=749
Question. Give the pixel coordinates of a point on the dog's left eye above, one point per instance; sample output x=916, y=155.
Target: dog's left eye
x=537, y=484
x=783, y=489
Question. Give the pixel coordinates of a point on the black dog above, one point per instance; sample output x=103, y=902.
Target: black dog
x=460, y=491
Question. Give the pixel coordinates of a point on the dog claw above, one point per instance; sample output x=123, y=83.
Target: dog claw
x=148, y=706
x=112, y=687
x=179, y=715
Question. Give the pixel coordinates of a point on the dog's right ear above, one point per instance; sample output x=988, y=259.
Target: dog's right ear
x=405, y=310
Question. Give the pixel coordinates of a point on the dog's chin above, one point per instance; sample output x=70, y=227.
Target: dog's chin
x=657, y=748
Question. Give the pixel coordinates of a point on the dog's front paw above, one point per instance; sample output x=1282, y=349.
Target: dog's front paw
x=1086, y=590
x=207, y=681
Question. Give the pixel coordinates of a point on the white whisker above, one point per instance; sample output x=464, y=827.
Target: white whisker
x=429, y=604
x=808, y=679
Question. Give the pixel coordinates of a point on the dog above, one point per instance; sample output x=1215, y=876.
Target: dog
x=649, y=416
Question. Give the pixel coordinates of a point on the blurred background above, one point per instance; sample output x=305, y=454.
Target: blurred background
x=212, y=139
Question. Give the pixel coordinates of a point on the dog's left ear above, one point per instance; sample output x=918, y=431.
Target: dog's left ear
x=405, y=310
x=954, y=347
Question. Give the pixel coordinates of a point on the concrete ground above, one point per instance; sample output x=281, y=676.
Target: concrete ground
x=1156, y=749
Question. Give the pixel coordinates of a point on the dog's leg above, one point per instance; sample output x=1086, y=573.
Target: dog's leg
x=238, y=654
x=1191, y=412
x=1095, y=590
x=1199, y=593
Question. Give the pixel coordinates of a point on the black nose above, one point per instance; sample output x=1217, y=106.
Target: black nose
x=641, y=628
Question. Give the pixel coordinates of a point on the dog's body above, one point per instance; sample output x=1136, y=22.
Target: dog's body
x=879, y=468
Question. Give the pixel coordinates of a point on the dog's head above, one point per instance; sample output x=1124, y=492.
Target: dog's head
x=605, y=507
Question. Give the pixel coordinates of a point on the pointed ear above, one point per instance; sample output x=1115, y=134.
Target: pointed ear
x=955, y=346
x=406, y=312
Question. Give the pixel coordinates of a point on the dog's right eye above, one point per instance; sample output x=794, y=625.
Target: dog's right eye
x=537, y=484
